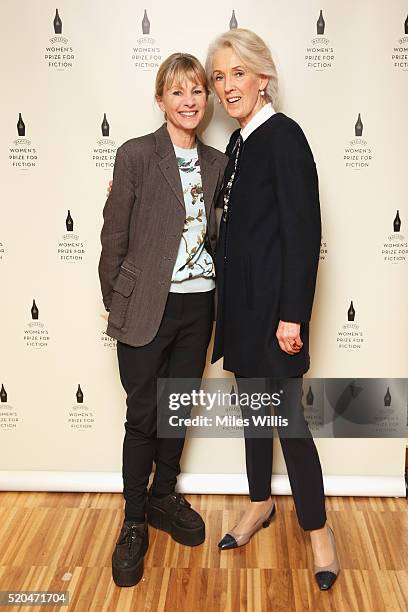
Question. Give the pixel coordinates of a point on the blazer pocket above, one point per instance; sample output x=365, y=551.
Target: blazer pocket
x=122, y=291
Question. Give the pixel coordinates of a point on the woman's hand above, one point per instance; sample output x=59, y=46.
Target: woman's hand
x=288, y=335
x=109, y=188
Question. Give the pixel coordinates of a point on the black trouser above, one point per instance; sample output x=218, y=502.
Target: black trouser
x=178, y=351
x=298, y=447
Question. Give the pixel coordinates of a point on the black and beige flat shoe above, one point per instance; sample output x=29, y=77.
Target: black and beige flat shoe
x=326, y=575
x=234, y=540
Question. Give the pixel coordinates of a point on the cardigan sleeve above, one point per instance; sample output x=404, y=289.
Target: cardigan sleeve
x=297, y=193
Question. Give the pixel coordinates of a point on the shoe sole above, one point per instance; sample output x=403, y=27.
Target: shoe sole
x=189, y=537
x=131, y=575
x=128, y=577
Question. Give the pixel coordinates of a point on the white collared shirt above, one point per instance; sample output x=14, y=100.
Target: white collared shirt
x=261, y=116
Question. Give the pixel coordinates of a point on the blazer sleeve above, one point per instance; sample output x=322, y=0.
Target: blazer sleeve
x=297, y=193
x=115, y=230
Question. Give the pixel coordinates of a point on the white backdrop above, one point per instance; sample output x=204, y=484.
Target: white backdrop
x=62, y=83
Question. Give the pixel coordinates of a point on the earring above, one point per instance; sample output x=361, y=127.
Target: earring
x=262, y=92
x=219, y=101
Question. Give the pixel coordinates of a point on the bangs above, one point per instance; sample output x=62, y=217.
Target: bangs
x=182, y=72
x=177, y=69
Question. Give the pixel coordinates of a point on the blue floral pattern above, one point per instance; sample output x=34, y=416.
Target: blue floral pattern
x=193, y=260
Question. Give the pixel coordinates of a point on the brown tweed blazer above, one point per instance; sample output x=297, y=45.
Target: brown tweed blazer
x=143, y=222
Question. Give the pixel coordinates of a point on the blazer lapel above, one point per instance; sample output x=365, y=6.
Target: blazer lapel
x=170, y=170
x=168, y=163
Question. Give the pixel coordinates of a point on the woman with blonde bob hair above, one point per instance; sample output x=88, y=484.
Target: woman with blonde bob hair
x=266, y=265
x=157, y=277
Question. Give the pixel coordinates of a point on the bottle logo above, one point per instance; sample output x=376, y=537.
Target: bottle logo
x=399, y=55
x=395, y=246
x=145, y=24
x=309, y=397
x=69, y=222
x=233, y=24
x=350, y=336
x=70, y=247
x=358, y=128
x=319, y=55
x=22, y=155
x=9, y=418
x=105, y=126
x=358, y=155
x=397, y=222
x=20, y=126
x=57, y=23
x=59, y=54
x=146, y=53
x=351, y=313
x=3, y=395
x=320, y=25
x=387, y=398
x=34, y=311
x=79, y=416
x=36, y=335
x=79, y=395
x=313, y=406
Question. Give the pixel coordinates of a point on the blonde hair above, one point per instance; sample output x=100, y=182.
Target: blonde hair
x=177, y=68
x=255, y=54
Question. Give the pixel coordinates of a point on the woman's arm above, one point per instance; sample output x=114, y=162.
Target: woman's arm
x=300, y=224
x=115, y=230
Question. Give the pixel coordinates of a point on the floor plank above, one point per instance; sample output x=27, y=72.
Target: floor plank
x=64, y=541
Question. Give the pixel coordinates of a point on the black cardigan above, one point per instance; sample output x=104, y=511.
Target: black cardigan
x=268, y=251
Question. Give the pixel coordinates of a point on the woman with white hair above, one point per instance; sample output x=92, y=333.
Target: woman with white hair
x=266, y=265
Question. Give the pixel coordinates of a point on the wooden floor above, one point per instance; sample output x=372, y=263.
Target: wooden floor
x=64, y=541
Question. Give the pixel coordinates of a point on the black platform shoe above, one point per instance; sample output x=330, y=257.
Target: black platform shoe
x=130, y=549
x=234, y=540
x=173, y=514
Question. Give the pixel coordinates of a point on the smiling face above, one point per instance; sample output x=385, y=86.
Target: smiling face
x=184, y=104
x=237, y=87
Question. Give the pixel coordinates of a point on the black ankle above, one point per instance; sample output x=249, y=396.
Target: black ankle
x=135, y=518
x=160, y=495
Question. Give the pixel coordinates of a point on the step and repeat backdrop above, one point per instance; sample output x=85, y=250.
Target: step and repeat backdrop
x=77, y=81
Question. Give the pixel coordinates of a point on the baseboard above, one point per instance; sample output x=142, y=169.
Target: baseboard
x=111, y=482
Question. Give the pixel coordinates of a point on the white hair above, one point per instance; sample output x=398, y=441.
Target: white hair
x=255, y=54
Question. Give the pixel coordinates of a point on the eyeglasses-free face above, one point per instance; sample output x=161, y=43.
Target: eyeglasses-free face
x=237, y=87
x=184, y=104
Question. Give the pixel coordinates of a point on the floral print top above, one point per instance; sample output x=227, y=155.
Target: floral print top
x=194, y=267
